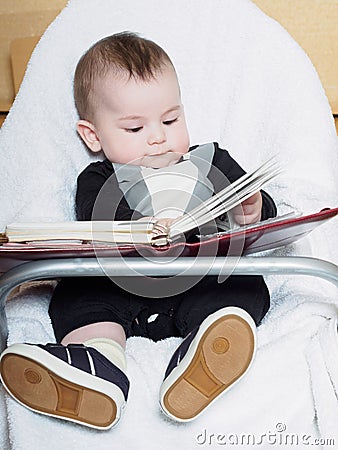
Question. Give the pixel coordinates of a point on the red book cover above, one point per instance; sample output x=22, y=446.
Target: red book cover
x=263, y=236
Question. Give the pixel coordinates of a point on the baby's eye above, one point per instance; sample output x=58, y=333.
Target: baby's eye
x=169, y=122
x=133, y=130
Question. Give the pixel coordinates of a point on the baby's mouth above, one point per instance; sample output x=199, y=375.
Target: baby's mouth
x=159, y=160
x=161, y=153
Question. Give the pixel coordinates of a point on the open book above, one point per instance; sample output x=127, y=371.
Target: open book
x=143, y=232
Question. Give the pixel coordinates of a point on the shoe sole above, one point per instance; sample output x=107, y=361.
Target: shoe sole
x=223, y=355
x=33, y=384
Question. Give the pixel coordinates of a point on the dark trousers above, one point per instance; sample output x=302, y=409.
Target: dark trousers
x=77, y=302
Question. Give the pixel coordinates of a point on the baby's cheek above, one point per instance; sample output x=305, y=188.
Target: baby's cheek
x=183, y=141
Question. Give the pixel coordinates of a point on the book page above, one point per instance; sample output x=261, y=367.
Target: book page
x=226, y=199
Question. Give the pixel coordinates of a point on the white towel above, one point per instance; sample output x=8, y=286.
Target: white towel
x=247, y=85
x=322, y=355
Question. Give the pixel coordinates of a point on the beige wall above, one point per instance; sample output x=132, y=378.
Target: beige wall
x=312, y=23
x=21, y=18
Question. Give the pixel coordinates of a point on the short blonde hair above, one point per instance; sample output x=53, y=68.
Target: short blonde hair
x=122, y=52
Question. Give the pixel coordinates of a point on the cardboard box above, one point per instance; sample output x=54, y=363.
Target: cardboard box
x=21, y=50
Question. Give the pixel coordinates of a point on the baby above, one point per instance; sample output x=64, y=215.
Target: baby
x=128, y=99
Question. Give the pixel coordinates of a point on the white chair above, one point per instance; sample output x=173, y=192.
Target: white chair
x=247, y=85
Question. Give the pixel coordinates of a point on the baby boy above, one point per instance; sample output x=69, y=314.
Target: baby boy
x=129, y=103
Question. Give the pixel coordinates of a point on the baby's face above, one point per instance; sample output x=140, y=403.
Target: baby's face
x=141, y=123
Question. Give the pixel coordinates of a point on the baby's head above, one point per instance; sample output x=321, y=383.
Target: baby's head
x=128, y=98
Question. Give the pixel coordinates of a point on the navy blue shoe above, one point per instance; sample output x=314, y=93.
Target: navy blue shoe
x=209, y=361
x=72, y=382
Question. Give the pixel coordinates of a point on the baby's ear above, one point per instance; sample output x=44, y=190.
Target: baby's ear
x=88, y=134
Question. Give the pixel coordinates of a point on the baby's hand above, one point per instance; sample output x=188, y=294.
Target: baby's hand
x=161, y=226
x=249, y=211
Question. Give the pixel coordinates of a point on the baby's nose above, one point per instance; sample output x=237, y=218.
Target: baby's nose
x=158, y=136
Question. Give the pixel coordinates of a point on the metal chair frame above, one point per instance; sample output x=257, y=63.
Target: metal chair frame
x=187, y=266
